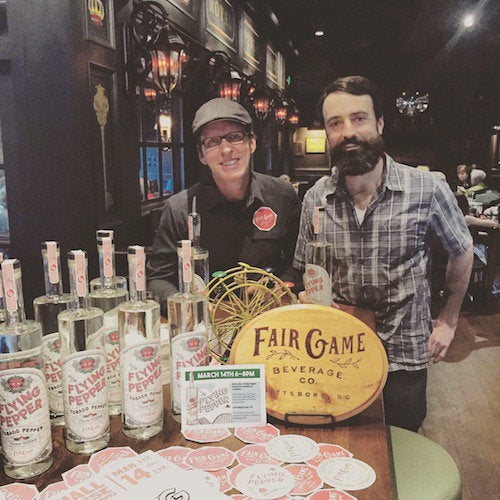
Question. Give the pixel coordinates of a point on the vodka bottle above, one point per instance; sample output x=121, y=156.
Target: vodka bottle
x=47, y=307
x=120, y=281
x=2, y=301
x=107, y=297
x=189, y=326
x=200, y=255
x=139, y=326
x=83, y=362
x=318, y=272
x=24, y=404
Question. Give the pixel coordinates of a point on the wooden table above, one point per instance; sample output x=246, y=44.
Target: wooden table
x=363, y=435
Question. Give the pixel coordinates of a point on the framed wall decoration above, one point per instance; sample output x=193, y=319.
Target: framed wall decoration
x=272, y=66
x=186, y=6
x=251, y=43
x=220, y=19
x=99, y=22
x=102, y=104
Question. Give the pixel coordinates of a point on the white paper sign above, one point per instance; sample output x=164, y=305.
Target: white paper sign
x=223, y=396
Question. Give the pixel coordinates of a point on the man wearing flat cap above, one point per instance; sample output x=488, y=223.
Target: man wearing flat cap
x=245, y=216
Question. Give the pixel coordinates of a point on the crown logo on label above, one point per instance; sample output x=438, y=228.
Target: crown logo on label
x=97, y=12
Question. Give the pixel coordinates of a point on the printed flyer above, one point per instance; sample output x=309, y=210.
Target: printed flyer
x=223, y=396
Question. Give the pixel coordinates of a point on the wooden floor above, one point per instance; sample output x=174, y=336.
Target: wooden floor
x=464, y=401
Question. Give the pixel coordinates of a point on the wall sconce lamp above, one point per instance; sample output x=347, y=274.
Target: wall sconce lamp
x=165, y=122
x=262, y=102
x=293, y=115
x=230, y=87
x=281, y=106
x=157, y=54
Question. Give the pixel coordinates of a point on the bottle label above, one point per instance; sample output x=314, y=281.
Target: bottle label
x=85, y=394
x=107, y=257
x=10, y=276
x=186, y=261
x=188, y=350
x=112, y=349
x=318, y=285
x=143, y=390
x=140, y=269
x=80, y=273
x=24, y=417
x=51, y=352
x=52, y=263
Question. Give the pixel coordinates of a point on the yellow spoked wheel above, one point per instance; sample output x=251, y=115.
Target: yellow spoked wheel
x=235, y=297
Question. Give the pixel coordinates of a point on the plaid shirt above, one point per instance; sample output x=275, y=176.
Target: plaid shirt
x=383, y=263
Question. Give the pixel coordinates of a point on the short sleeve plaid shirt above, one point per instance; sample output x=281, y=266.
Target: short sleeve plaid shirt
x=383, y=263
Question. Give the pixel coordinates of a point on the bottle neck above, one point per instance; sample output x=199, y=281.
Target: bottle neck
x=194, y=223
x=106, y=251
x=78, y=279
x=135, y=294
x=137, y=273
x=185, y=267
x=318, y=224
x=14, y=303
x=52, y=268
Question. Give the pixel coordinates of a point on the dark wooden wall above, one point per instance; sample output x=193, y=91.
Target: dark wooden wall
x=51, y=139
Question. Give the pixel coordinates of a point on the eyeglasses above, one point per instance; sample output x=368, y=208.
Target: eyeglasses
x=233, y=138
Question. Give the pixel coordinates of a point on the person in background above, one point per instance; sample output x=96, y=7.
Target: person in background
x=246, y=216
x=380, y=216
x=463, y=176
x=477, y=178
x=472, y=220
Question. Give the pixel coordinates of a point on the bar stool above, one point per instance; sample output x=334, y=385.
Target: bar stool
x=423, y=470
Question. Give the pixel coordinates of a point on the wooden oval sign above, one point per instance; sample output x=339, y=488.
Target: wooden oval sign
x=319, y=361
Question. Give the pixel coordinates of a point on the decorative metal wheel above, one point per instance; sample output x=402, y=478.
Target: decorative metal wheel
x=238, y=295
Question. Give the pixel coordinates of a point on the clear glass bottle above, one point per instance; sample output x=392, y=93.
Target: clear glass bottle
x=318, y=272
x=83, y=363
x=107, y=297
x=47, y=307
x=189, y=326
x=120, y=281
x=200, y=255
x=24, y=405
x=139, y=327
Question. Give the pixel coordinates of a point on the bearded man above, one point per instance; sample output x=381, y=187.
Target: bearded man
x=381, y=216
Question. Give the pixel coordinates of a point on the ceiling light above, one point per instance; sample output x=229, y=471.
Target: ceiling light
x=273, y=18
x=468, y=20
x=319, y=33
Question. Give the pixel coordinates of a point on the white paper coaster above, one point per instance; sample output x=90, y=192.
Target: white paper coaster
x=264, y=481
x=292, y=448
x=346, y=473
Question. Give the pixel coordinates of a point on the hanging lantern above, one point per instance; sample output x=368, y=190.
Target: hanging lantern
x=262, y=103
x=230, y=87
x=149, y=94
x=166, y=59
x=281, y=111
x=293, y=114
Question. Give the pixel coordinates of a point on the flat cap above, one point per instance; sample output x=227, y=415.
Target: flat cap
x=220, y=109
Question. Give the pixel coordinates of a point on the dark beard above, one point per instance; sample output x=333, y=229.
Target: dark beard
x=358, y=161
